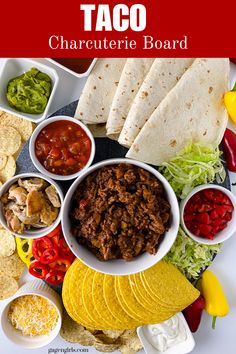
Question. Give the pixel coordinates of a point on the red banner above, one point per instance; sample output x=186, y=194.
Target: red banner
x=125, y=28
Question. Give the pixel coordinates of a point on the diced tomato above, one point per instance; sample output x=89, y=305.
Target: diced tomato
x=203, y=218
x=55, y=153
x=228, y=216
x=204, y=207
x=71, y=162
x=208, y=212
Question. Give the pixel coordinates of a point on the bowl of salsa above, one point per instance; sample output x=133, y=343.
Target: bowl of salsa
x=61, y=147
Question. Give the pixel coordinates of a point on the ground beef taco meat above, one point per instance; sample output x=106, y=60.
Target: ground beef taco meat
x=120, y=211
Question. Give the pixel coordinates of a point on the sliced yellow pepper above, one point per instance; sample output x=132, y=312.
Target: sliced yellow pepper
x=230, y=103
x=215, y=301
x=24, y=250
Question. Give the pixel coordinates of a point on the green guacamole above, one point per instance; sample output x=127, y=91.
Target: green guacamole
x=29, y=92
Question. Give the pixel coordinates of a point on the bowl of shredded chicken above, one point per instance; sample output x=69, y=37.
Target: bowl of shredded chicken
x=30, y=205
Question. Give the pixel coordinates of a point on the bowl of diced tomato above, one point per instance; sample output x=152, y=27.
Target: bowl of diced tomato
x=208, y=214
x=61, y=147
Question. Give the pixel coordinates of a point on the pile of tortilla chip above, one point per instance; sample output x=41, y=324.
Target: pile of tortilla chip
x=126, y=341
x=11, y=266
x=14, y=132
x=104, y=302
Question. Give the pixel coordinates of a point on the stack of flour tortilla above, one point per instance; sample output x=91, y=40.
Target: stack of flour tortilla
x=154, y=107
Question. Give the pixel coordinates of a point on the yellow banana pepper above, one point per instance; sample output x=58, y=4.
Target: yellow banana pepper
x=230, y=103
x=24, y=250
x=215, y=301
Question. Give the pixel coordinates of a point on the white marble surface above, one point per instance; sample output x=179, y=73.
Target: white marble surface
x=222, y=340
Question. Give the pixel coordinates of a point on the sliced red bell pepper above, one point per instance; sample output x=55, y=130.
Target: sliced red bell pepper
x=61, y=264
x=55, y=277
x=38, y=270
x=40, y=245
x=55, y=231
x=50, y=255
x=63, y=248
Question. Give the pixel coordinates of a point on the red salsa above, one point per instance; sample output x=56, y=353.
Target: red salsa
x=63, y=147
x=207, y=213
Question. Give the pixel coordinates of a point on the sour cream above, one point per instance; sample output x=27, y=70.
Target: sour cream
x=167, y=334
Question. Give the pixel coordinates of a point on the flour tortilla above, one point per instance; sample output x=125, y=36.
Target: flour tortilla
x=192, y=111
x=162, y=77
x=96, y=98
x=133, y=74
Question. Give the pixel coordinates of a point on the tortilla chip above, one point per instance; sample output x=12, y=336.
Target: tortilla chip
x=13, y=142
x=7, y=243
x=115, y=334
x=8, y=286
x=9, y=170
x=12, y=266
x=74, y=333
x=23, y=126
x=129, y=342
x=3, y=161
x=105, y=348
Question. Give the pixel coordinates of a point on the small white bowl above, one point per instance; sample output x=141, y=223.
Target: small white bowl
x=14, y=67
x=220, y=236
x=84, y=74
x=36, y=162
x=35, y=233
x=36, y=287
x=120, y=266
x=180, y=348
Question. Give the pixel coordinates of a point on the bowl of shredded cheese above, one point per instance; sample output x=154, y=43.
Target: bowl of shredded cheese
x=32, y=318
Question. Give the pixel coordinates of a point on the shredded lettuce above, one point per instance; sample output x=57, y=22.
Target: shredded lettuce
x=189, y=256
x=193, y=166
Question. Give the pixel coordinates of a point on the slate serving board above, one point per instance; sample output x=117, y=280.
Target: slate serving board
x=105, y=149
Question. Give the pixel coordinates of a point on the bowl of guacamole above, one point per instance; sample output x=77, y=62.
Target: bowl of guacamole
x=27, y=88
x=29, y=92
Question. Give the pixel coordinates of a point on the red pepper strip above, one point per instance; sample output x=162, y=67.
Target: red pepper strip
x=61, y=264
x=229, y=147
x=55, y=231
x=40, y=245
x=50, y=255
x=55, y=277
x=55, y=239
x=38, y=270
x=193, y=313
x=64, y=250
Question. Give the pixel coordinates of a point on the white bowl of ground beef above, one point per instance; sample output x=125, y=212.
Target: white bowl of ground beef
x=120, y=217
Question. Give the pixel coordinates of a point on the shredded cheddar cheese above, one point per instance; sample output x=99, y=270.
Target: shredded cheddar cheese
x=33, y=315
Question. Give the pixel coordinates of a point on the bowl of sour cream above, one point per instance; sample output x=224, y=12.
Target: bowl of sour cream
x=169, y=337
